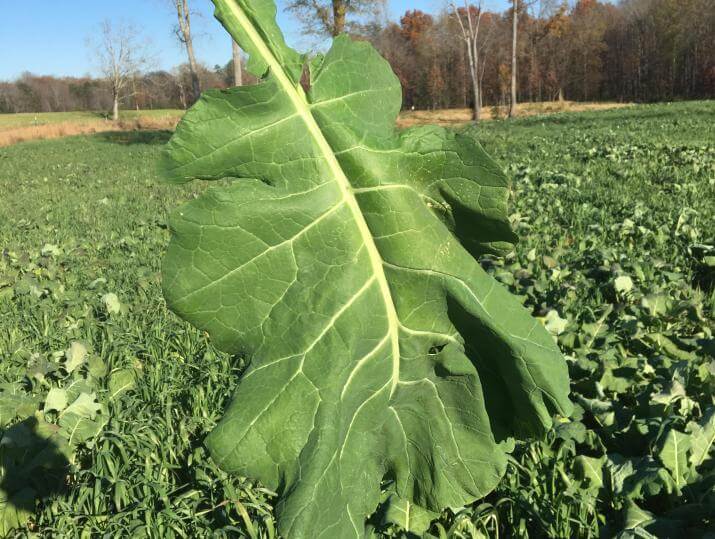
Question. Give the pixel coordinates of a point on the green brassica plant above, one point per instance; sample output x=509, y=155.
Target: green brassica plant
x=384, y=363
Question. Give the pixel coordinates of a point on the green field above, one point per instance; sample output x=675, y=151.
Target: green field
x=8, y=121
x=616, y=215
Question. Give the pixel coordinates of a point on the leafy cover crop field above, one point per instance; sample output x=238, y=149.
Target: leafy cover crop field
x=616, y=215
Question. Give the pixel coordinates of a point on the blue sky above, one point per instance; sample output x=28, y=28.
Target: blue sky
x=49, y=37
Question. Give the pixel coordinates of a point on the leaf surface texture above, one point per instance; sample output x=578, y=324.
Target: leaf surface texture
x=341, y=262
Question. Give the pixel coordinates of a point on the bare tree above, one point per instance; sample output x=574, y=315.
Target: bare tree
x=121, y=55
x=470, y=19
x=514, y=29
x=237, y=65
x=330, y=17
x=183, y=33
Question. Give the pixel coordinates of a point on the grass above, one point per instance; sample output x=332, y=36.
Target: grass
x=28, y=119
x=452, y=117
x=15, y=128
x=598, y=196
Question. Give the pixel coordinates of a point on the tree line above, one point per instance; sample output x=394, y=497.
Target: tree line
x=637, y=50
x=142, y=91
x=124, y=57
x=588, y=50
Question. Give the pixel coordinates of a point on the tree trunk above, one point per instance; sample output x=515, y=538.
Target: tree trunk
x=477, y=109
x=470, y=36
x=532, y=71
x=194, y=67
x=514, y=27
x=135, y=93
x=475, y=88
x=182, y=96
x=339, y=12
x=237, y=67
x=115, y=108
x=585, y=78
x=182, y=11
x=477, y=113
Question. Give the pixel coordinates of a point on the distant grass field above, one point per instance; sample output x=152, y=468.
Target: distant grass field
x=616, y=214
x=8, y=121
x=447, y=116
x=15, y=128
x=23, y=127
x=452, y=117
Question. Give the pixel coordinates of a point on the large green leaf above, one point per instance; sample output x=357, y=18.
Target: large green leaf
x=15, y=402
x=411, y=518
x=673, y=453
x=702, y=438
x=340, y=263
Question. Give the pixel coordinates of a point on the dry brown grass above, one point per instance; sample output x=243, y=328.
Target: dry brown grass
x=451, y=117
x=13, y=135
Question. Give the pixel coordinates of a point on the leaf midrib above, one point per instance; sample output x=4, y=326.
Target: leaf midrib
x=303, y=109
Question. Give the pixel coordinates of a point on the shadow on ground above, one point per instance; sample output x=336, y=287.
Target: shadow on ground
x=33, y=466
x=128, y=138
